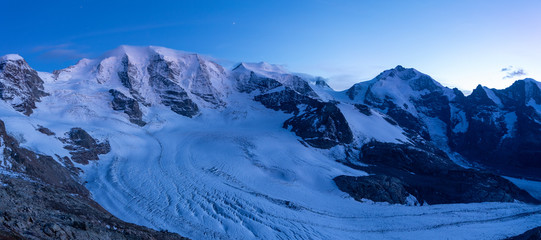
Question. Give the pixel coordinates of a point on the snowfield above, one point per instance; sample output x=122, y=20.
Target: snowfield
x=240, y=175
x=233, y=171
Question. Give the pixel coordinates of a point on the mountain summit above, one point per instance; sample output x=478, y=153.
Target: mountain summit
x=172, y=140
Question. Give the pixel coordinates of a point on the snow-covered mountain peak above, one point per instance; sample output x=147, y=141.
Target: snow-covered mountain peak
x=11, y=57
x=399, y=84
x=399, y=72
x=261, y=69
x=14, y=60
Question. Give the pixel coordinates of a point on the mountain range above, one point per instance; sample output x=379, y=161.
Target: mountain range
x=149, y=142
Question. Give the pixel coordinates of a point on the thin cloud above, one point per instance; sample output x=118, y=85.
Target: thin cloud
x=63, y=54
x=512, y=72
x=64, y=51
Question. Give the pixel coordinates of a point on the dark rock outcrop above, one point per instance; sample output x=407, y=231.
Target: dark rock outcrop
x=31, y=209
x=20, y=85
x=128, y=105
x=321, y=125
x=38, y=166
x=503, y=136
x=45, y=130
x=286, y=100
x=84, y=147
x=171, y=94
x=378, y=188
x=533, y=234
x=427, y=174
x=42, y=199
x=254, y=82
x=497, y=130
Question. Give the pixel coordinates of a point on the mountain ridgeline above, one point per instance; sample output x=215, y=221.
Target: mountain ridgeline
x=420, y=142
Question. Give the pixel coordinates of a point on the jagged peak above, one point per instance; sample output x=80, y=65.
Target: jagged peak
x=11, y=57
x=14, y=60
x=399, y=72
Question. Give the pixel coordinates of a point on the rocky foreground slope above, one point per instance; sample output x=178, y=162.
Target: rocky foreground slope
x=174, y=141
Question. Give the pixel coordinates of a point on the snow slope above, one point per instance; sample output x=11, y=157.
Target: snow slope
x=233, y=172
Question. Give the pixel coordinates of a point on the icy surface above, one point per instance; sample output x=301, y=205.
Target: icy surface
x=493, y=96
x=532, y=187
x=373, y=127
x=234, y=172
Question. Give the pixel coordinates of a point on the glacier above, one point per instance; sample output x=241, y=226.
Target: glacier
x=231, y=170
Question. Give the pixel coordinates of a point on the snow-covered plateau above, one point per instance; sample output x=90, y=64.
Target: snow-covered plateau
x=252, y=152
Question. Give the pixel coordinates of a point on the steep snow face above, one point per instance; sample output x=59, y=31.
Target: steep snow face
x=496, y=100
x=185, y=82
x=401, y=86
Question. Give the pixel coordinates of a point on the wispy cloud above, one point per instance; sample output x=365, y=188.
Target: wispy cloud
x=512, y=72
x=64, y=51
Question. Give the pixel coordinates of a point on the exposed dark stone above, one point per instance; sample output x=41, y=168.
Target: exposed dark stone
x=60, y=214
x=84, y=147
x=406, y=157
x=488, y=135
x=286, y=100
x=171, y=94
x=255, y=82
x=19, y=81
x=201, y=85
x=321, y=125
x=532, y=234
x=488, y=140
x=38, y=166
x=299, y=85
x=408, y=122
x=428, y=175
x=322, y=83
x=45, y=201
x=128, y=105
x=364, y=109
x=45, y=130
x=377, y=188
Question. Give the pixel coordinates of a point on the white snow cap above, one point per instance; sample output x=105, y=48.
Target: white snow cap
x=264, y=67
x=11, y=57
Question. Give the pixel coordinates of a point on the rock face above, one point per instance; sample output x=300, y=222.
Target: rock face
x=42, y=199
x=42, y=167
x=170, y=93
x=127, y=105
x=430, y=177
x=321, y=125
x=20, y=85
x=532, y=234
x=83, y=147
x=504, y=129
x=378, y=188
x=495, y=129
x=33, y=210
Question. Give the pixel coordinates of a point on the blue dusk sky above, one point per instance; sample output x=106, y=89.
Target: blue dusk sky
x=460, y=43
